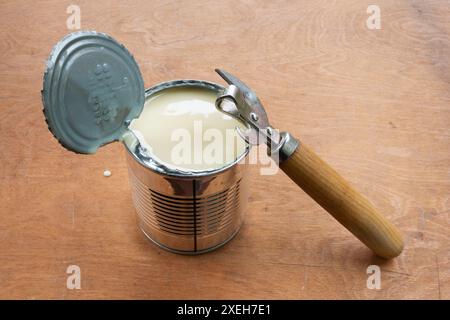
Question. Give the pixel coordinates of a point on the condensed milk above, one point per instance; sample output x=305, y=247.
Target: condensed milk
x=181, y=128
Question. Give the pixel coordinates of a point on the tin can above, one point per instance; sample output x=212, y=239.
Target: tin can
x=92, y=90
x=187, y=212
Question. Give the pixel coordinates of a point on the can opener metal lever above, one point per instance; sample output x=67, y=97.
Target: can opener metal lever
x=318, y=179
x=241, y=102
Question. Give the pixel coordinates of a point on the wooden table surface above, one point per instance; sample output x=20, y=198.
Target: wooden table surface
x=373, y=103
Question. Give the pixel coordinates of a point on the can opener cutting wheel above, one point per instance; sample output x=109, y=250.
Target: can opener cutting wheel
x=320, y=181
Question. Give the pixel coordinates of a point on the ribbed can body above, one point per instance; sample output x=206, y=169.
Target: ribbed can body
x=189, y=215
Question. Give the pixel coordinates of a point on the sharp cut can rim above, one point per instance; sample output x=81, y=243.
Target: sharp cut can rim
x=180, y=173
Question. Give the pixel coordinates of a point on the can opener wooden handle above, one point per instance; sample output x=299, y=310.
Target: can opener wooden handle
x=318, y=179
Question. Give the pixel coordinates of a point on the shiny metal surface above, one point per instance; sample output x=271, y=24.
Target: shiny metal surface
x=287, y=146
x=186, y=212
x=239, y=101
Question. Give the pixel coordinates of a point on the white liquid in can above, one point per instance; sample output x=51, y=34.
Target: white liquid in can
x=181, y=128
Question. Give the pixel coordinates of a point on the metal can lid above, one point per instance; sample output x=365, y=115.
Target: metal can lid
x=92, y=90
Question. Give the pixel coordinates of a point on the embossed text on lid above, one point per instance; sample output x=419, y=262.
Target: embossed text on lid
x=92, y=90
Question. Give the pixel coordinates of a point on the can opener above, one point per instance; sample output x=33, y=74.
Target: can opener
x=318, y=179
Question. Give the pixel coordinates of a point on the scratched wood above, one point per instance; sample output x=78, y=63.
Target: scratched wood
x=373, y=103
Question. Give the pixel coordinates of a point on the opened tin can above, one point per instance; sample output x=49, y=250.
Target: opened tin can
x=187, y=212
x=92, y=91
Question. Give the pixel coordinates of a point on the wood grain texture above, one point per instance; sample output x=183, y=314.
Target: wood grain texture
x=347, y=205
x=375, y=104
